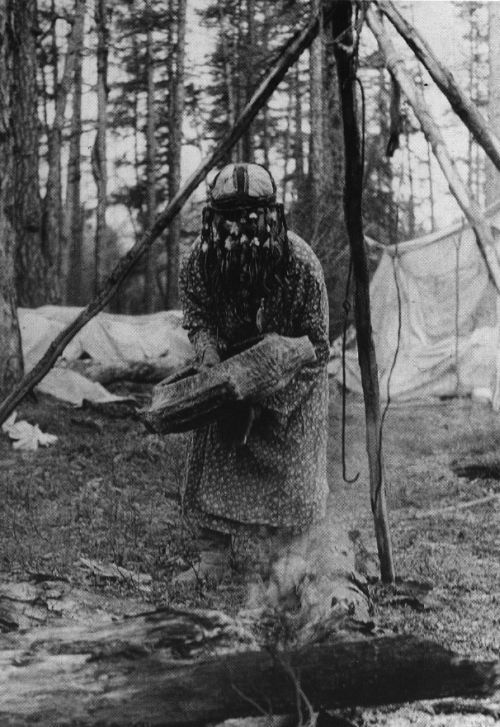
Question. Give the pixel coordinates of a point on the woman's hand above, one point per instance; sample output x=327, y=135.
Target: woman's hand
x=210, y=358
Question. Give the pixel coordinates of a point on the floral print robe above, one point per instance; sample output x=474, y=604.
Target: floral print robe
x=278, y=478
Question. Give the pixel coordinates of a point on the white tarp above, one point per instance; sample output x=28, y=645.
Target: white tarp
x=434, y=317
x=107, y=339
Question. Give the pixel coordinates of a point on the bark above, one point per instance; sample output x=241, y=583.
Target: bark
x=175, y=148
x=432, y=132
x=492, y=174
x=27, y=211
x=11, y=367
x=149, y=278
x=173, y=668
x=290, y=53
x=461, y=104
x=73, y=228
x=345, y=58
x=53, y=212
x=99, y=152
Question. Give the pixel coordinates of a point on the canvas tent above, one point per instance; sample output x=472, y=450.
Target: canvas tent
x=107, y=339
x=435, y=317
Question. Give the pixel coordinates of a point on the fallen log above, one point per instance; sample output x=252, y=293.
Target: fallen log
x=173, y=668
x=151, y=372
x=461, y=104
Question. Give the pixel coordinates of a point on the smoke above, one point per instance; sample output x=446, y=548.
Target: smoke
x=308, y=583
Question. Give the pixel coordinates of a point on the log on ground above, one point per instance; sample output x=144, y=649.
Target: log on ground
x=192, y=668
x=151, y=372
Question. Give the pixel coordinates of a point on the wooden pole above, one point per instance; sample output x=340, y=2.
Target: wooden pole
x=184, y=669
x=291, y=51
x=465, y=109
x=397, y=67
x=345, y=57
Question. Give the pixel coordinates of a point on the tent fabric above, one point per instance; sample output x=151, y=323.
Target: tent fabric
x=434, y=317
x=107, y=339
x=73, y=388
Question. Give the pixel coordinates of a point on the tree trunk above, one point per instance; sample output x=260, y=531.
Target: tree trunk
x=149, y=278
x=53, y=212
x=73, y=228
x=298, y=135
x=175, y=148
x=316, y=152
x=11, y=362
x=286, y=143
x=492, y=173
x=289, y=54
x=266, y=142
x=345, y=58
x=27, y=211
x=99, y=151
x=248, y=76
x=173, y=668
x=432, y=132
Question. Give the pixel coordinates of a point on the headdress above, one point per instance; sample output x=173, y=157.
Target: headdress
x=244, y=245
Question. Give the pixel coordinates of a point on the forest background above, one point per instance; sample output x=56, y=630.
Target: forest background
x=115, y=103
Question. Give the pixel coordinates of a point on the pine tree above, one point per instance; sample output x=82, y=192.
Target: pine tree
x=11, y=365
x=27, y=211
x=52, y=203
x=99, y=151
x=176, y=115
x=73, y=213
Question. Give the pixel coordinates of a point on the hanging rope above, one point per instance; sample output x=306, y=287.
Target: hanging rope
x=394, y=260
x=457, y=309
x=346, y=306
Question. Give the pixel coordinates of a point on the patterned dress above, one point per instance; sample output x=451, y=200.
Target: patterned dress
x=278, y=477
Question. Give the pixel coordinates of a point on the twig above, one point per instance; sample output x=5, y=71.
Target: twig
x=458, y=506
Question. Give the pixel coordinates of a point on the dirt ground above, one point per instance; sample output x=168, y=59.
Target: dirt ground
x=108, y=492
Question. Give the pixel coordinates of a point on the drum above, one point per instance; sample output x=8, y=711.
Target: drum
x=190, y=398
